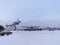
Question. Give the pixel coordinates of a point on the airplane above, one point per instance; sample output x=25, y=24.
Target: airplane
x=3, y=31
x=7, y=30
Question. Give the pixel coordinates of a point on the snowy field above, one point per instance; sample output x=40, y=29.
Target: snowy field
x=31, y=38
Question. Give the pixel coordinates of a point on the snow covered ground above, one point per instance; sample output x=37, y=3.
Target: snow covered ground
x=31, y=38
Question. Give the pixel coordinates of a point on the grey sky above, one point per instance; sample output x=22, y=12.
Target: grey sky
x=37, y=12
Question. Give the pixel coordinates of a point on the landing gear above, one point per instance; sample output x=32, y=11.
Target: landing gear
x=2, y=34
x=9, y=33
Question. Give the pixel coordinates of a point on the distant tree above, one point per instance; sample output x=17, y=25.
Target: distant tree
x=1, y=28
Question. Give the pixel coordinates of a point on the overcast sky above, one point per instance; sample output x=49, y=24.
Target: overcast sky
x=30, y=12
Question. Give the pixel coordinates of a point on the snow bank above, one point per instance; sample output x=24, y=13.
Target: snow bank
x=31, y=38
